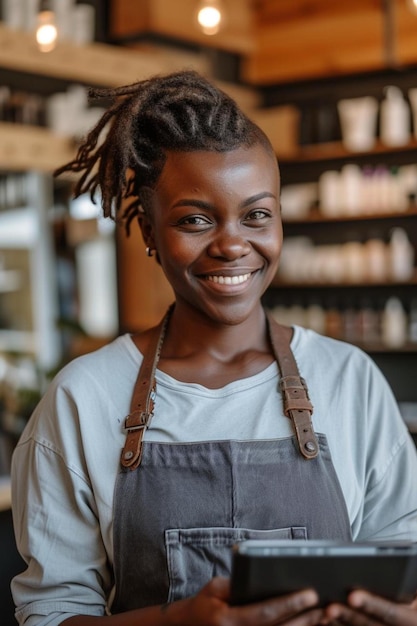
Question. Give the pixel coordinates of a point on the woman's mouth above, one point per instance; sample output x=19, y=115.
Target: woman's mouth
x=228, y=280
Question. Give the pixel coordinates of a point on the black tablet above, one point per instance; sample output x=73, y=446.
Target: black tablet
x=263, y=569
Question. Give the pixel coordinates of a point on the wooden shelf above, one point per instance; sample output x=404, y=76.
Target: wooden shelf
x=317, y=217
x=33, y=148
x=279, y=283
x=336, y=150
x=96, y=64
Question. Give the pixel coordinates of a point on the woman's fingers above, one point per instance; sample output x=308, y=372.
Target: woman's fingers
x=385, y=611
x=310, y=618
x=291, y=609
x=210, y=607
x=341, y=614
x=365, y=609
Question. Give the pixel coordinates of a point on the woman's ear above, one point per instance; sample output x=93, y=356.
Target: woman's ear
x=145, y=210
x=146, y=230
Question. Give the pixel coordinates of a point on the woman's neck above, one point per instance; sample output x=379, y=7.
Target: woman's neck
x=190, y=332
x=196, y=349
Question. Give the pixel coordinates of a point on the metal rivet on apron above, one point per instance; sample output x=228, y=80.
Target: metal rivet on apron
x=128, y=455
x=309, y=446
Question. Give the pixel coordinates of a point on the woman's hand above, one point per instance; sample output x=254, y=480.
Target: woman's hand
x=366, y=609
x=210, y=608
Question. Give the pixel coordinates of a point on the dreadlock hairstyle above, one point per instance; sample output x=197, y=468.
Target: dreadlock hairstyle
x=177, y=112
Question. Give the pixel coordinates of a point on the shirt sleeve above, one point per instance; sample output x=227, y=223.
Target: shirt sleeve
x=55, y=518
x=389, y=506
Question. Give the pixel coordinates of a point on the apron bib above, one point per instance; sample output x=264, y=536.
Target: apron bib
x=177, y=516
x=181, y=509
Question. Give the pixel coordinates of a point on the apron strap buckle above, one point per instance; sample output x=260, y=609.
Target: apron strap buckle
x=298, y=408
x=295, y=394
x=135, y=425
x=136, y=420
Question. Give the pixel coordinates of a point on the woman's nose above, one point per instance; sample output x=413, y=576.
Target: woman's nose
x=229, y=244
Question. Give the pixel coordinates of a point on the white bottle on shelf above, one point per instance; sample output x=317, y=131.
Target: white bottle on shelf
x=354, y=262
x=329, y=193
x=395, y=126
x=351, y=189
x=376, y=259
x=394, y=324
x=401, y=256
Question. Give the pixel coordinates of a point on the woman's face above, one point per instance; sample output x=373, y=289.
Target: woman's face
x=215, y=224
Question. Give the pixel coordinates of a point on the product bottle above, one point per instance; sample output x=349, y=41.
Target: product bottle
x=351, y=189
x=329, y=191
x=376, y=259
x=368, y=322
x=401, y=255
x=354, y=260
x=394, y=324
x=395, y=128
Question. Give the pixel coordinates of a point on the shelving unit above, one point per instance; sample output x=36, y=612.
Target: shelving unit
x=317, y=100
x=26, y=233
x=310, y=161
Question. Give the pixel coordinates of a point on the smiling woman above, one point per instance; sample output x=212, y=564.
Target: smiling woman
x=218, y=444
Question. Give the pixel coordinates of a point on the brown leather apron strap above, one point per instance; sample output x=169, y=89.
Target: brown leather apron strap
x=142, y=403
x=297, y=405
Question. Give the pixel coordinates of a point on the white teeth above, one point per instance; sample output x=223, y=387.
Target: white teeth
x=229, y=280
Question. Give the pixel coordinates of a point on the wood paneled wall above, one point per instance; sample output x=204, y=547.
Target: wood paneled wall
x=306, y=39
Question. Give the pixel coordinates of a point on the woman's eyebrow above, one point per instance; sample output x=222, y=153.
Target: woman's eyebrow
x=256, y=197
x=200, y=204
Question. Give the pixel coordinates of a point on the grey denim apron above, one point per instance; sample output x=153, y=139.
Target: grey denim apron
x=178, y=514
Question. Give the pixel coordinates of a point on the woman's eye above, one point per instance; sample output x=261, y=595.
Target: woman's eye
x=194, y=220
x=257, y=214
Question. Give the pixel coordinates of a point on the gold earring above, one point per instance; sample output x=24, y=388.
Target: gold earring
x=149, y=251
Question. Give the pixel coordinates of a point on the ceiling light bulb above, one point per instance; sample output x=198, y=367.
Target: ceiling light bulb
x=46, y=31
x=210, y=17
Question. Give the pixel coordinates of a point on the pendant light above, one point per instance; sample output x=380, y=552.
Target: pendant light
x=46, y=30
x=210, y=16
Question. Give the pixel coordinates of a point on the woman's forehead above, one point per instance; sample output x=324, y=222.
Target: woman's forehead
x=198, y=162
x=211, y=176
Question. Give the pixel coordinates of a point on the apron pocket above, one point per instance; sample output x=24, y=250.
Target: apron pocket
x=196, y=555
